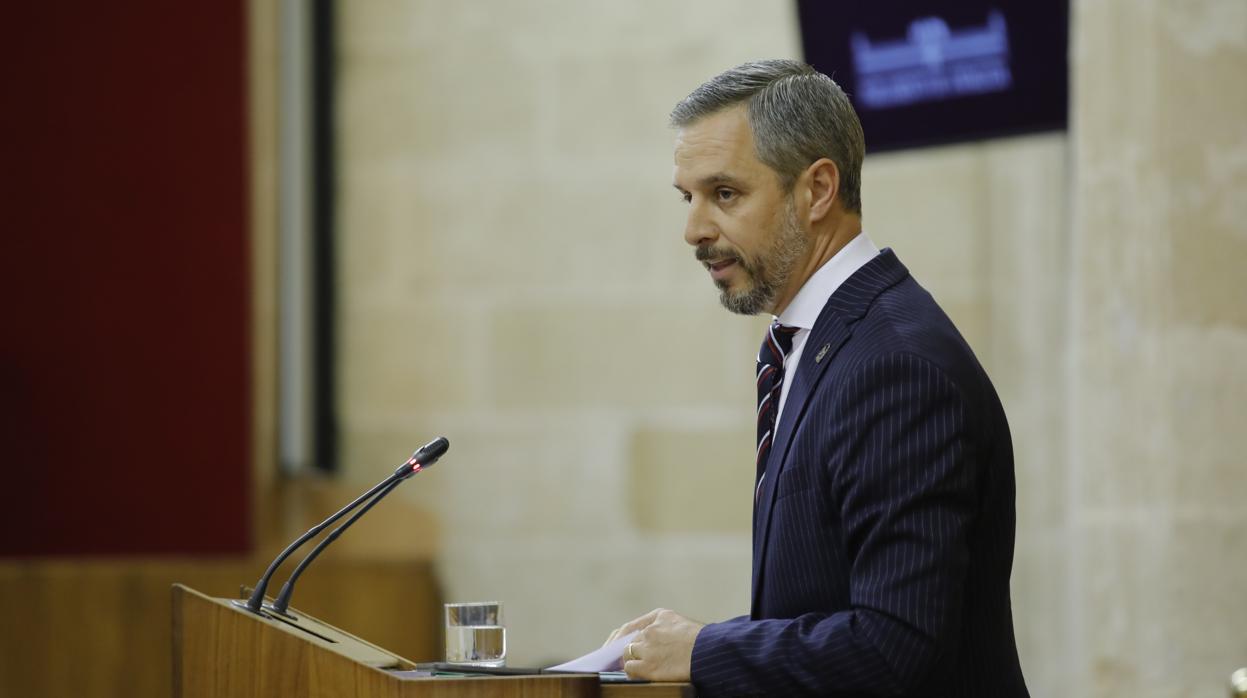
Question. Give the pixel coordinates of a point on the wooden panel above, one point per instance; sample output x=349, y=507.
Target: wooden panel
x=224, y=651
x=102, y=628
x=648, y=690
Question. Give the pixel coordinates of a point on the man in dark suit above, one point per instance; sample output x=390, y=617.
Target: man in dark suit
x=884, y=504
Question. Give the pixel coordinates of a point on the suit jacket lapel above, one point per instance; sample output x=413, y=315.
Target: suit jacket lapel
x=832, y=329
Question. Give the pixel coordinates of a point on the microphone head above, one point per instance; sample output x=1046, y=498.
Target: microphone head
x=430, y=452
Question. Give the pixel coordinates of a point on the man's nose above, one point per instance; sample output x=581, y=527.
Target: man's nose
x=698, y=229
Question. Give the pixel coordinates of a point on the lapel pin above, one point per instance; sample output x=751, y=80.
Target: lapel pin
x=821, y=353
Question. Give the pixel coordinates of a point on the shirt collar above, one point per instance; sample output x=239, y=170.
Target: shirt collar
x=806, y=306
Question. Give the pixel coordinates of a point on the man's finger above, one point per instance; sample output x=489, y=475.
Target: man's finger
x=618, y=633
x=627, y=654
x=640, y=623
x=633, y=669
x=636, y=624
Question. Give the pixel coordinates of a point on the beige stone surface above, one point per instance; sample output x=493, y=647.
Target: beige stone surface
x=414, y=354
x=691, y=480
x=626, y=354
x=1157, y=337
x=512, y=276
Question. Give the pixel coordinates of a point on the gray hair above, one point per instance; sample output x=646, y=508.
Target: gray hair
x=797, y=116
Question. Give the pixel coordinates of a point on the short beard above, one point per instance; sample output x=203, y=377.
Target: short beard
x=771, y=271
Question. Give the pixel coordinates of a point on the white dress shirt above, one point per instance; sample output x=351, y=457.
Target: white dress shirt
x=809, y=301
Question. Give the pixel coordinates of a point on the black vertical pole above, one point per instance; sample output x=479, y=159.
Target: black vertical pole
x=324, y=211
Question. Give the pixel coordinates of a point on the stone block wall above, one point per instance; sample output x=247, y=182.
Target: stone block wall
x=513, y=276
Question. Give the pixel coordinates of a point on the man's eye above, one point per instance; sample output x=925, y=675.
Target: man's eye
x=724, y=194
x=686, y=197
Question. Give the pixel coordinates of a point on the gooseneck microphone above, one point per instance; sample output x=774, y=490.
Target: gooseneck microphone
x=426, y=456
x=282, y=602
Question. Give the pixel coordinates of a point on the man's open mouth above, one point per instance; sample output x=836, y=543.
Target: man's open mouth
x=719, y=267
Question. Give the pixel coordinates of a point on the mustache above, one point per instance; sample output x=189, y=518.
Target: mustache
x=705, y=253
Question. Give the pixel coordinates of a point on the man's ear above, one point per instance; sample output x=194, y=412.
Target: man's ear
x=823, y=181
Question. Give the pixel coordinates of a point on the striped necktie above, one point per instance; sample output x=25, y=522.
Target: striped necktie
x=775, y=348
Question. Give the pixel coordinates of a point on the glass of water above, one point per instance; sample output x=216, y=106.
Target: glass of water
x=475, y=635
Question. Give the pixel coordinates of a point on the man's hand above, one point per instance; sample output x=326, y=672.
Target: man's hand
x=663, y=647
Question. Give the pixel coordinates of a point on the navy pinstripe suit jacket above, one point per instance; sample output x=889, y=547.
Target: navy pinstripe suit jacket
x=883, y=533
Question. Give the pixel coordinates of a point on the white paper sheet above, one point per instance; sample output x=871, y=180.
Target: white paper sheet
x=605, y=658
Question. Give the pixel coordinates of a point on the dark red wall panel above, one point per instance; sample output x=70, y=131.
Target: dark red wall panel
x=124, y=366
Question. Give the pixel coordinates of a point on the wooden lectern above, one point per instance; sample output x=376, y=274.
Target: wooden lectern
x=220, y=649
